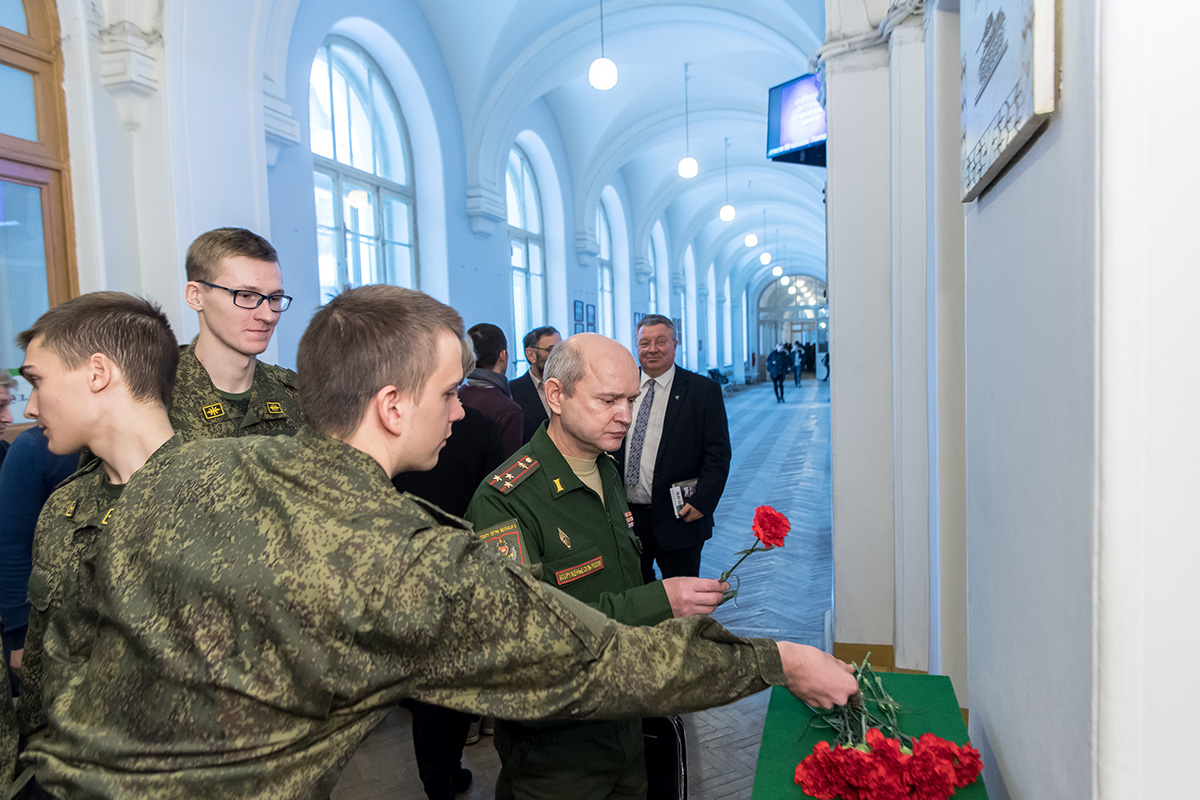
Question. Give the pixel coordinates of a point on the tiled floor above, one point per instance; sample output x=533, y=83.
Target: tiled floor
x=781, y=458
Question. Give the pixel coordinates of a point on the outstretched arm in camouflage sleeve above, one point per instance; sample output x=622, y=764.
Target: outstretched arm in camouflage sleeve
x=495, y=640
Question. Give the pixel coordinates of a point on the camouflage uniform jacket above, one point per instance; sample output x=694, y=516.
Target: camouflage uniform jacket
x=199, y=412
x=265, y=601
x=62, y=624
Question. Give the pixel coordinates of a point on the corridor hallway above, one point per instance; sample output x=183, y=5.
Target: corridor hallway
x=781, y=458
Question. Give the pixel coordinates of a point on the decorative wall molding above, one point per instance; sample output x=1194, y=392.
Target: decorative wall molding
x=486, y=209
x=282, y=129
x=587, y=249
x=863, y=50
x=129, y=67
x=641, y=269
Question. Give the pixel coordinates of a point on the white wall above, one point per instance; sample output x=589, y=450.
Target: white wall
x=1149, y=459
x=860, y=343
x=1031, y=283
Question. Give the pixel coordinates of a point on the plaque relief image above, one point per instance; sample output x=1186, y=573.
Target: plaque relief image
x=1009, y=74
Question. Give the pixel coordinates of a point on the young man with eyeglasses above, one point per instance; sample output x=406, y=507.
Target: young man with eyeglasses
x=222, y=389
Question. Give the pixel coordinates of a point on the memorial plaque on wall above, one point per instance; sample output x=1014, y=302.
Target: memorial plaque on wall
x=1009, y=73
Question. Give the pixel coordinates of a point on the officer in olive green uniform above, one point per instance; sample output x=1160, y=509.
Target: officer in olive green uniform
x=564, y=493
x=201, y=411
x=585, y=547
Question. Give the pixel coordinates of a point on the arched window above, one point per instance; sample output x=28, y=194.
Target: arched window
x=362, y=173
x=36, y=250
x=605, y=263
x=528, y=248
x=653, y=258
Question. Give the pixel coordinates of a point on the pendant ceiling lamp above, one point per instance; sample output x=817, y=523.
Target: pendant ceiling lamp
x=728, y=212
x=751, y=239
x=765, y=257
x=602, y=74
x=688, y=168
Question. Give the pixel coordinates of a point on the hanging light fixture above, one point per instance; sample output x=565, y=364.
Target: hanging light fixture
x=776, y=270
x=688, y=168
x=751, y=238
x=728, y=212
x=602, y=74
x=765, y=257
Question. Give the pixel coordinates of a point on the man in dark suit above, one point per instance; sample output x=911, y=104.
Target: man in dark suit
x=527, y=390
x=680, y=433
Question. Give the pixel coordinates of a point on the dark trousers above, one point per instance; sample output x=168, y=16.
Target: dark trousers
x=438, y=738
x=778, y=383
x=554, y=765
x=671, y=563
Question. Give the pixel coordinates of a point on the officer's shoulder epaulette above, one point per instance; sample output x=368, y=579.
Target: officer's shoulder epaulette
x=506, y=479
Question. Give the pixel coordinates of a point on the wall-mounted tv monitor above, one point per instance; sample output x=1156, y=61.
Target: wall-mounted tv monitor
x=796, y=126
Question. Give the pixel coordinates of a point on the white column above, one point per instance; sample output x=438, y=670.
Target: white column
x=947, y=374
x=741, y=348
x=1149, y=432
x=703, y=356
x=910, y=411
x=860, y=336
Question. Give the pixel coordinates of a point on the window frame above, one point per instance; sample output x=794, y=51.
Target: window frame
x=605, y=310
x=44, y=163
x=529, y=241
x=379, y=187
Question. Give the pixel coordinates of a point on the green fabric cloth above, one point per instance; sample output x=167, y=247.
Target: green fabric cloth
x=927, y=704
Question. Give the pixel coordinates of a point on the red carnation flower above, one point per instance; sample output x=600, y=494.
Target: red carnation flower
x=969, y=766
x=770, y=527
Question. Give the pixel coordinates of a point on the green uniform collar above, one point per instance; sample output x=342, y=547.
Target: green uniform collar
x=560, y=478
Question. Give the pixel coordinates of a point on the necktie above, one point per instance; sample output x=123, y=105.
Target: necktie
x=634, y=469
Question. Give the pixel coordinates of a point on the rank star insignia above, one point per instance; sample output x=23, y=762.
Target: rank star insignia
x=566, y=540
x=507, y=479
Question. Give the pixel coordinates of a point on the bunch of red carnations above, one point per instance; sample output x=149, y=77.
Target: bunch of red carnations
x=884, y=769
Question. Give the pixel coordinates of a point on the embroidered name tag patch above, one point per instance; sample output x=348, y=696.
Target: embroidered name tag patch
x=565, y=576
x=274, y=408
x=215, y=411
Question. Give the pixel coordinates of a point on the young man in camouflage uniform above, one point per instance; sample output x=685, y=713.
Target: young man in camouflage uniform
x=564, y=494
x=101, y=368
x=267, y=600
x=221, y=388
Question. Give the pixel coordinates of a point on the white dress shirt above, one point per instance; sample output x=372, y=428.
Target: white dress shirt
x=654, y=428
x=540, y=386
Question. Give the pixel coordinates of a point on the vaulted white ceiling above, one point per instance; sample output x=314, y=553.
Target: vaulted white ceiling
x=504, y=55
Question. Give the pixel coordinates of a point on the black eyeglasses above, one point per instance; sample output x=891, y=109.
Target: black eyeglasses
x=543, y=349
x=244, y=298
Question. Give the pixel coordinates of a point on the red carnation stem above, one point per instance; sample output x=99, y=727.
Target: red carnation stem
x=753, y=549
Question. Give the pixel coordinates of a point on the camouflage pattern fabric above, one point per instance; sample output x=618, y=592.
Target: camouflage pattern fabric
x=263, y=602
x=9, y=737
x=62, y=622
x=199, y=412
